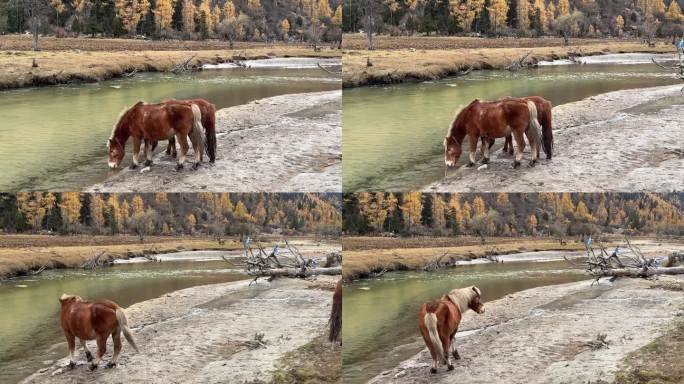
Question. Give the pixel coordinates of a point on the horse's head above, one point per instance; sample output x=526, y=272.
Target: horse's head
x=476, y=302
x=66, y=299
x=452, y=151
x=116, y=153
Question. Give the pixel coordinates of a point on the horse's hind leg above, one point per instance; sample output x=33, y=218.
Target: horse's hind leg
x=472, y=140
x=197, y=151
x=183, y=143
x=101, y=349
x=89, y=356
x=454, y=352
x=71, y=343
x=116, y=336
x=520, y=143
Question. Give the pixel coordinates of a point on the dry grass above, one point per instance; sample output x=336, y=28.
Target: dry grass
x=401, y=59
x=117, y=57
x=359, y=264
x=319, y=361
x=658, y=362
x=31, y=252
x=361, y=243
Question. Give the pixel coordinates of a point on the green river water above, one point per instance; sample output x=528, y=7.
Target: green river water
x=380, y=316
x=392, y=135
x=29, y=306
x=54, y=138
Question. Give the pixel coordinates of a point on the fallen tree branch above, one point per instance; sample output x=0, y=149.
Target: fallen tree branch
x=520, y=63
x=184, y=66
x=297, y=272
x=329, y=71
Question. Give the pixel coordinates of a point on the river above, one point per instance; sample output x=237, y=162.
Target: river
x=392, y=135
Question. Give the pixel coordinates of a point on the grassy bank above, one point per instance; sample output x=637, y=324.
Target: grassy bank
x=404, y=59
x=21, y=254
x=658, y=362
x=75, y=60
x=413, y=254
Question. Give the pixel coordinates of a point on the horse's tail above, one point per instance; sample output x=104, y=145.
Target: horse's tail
x=431, y=325
x=123, y=324
x=547, y=129
x=533, y=131
x=336, y=314
x=196, y=132
x=210, y=131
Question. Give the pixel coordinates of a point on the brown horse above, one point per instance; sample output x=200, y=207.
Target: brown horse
x=492, y=120
x=544, y=118
x=154, y=122
x=438, y=322
x=93, y=320
x=335, y=321
x=208, y=111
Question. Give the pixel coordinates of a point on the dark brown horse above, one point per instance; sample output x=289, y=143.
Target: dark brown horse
x=208, y=111
x=93, y=320
x=438, y=322
x=491, y=120
x=155, y=122
x=335, y=321
x=544, y=118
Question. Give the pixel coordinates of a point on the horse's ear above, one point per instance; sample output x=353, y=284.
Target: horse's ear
x=476, y=290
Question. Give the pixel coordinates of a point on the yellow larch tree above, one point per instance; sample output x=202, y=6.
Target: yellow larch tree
x=130, y=12
x=97, y=212
x=188, y=16
x=523, y=11
x=498, y=13
x=229, y=10
x=337, y=17
x=284, y=28
x=674, y=12
x=70, y=208
x=411, y=208
x=163, y=14
x=563, y=8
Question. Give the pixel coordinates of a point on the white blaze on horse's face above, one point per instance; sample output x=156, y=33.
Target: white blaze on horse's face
x=116, y=154
x=451, y=152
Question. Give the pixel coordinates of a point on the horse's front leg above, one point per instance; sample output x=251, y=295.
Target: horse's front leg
x=101, y=350
x=472, y=140
x=89, y=356
x=197, y=151
x=485, y=151
x=136, y=152
x=519, y=145
x=71, y=343
x=149, y=147
x=183, y=143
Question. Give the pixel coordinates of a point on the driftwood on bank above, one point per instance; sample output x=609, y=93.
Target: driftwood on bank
x=678, y=69
x=288, y=261
x=184, y=66
x=334, y=73
x=627, y=261
x=95, y=261
x=519, y=63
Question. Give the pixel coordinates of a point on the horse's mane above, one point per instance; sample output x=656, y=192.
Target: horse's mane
x=461, y=297
x=458, y=117
x=123, y=114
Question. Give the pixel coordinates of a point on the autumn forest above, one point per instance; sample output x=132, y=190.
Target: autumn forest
x=514, y=214
x=170, y=213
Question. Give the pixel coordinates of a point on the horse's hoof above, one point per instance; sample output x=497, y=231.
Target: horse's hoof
x=71, y=365
x=470, y=164
x=485, y=160
x=456, y=356
x=89, y=356
x=432, y=370
x=174, y=155
x=93, y=367
x=532, y=163
x=195, y=166
x=133, y=166
x=110, y=365
x=450, y=367
x=516, y=164
x=179, y=167
x=548, y=157
x=148, y=163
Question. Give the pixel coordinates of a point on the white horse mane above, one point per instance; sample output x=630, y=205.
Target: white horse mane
x=67, y=297
x=461, y=297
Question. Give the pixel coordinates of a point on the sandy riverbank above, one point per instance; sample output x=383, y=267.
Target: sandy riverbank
x=627, y=140
x=283, y=143
x=539, y=335
x=197, y=335
x=77, y=60
x=406, y=59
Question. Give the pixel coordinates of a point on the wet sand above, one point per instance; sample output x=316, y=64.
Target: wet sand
x=197, y=335
x=284, y=143
x=622, y=141
x=539, y=335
